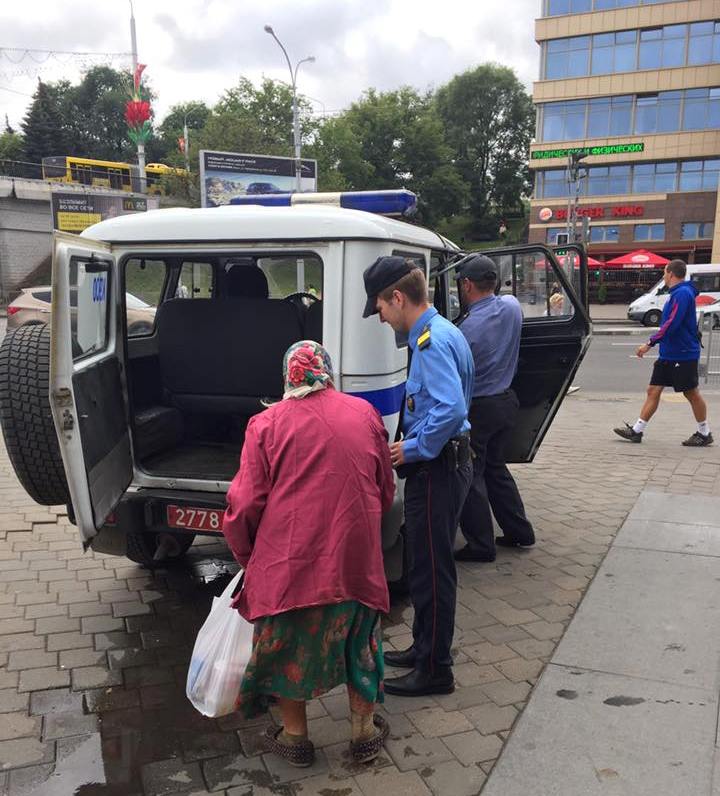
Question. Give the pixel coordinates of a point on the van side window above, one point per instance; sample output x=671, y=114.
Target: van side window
x=89, y=320
x=197, y=280
x=144, y=289
x=530, y=277
x=706, y=283
x=292, y=273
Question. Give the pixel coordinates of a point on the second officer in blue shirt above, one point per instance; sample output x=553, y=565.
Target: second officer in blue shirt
x=434, y=456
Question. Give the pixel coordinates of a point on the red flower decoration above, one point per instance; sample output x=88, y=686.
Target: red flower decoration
x=137, y=112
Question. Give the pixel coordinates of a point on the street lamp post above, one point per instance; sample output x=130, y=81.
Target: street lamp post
x=296, y=117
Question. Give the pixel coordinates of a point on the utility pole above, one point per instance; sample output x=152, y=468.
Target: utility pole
x=185, y=145
x=296, y=116
x=575, y=174
x=141, y=144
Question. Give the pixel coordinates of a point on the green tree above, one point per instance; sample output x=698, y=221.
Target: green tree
x=164, y=146
x=43, y=127
x=258, y=120
x=489, y=121
x=390, y=140
x=11, y=146
x=94, y=113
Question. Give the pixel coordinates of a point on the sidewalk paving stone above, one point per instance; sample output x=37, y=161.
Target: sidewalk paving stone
x=137, y=627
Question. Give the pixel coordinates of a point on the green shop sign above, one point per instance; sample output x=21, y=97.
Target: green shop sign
x=608, y=149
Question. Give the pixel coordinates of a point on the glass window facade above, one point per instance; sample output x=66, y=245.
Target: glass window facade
x=641, y=114
x=664, y=177
x=649, y=232
x=551, y=234
x=628, y=50
x=604, y=234
x=697, y=230
x=554, y=8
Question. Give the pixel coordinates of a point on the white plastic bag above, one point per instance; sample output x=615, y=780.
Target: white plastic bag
x=221, y=654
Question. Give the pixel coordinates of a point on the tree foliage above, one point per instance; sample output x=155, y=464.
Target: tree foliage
x=489, y=121
x=43, y=127
x=392, y=139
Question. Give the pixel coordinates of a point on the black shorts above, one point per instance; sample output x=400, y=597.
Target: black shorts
x=681, y=376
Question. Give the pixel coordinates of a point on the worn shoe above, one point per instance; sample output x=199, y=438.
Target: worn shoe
x=468, y=553
x=629, y=433
x=300, y=754
x=370, y=748
x=418, y=683
x=503, y=541
x=698, y=440
x=404, y=659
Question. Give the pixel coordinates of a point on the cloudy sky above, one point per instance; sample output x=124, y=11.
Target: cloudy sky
x=194, y=49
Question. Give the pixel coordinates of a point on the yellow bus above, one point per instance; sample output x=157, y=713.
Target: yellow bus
x=106, y=173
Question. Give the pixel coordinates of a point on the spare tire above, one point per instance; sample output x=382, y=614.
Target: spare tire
x=25, y=415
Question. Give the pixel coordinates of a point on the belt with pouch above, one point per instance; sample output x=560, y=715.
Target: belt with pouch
x=455, y=453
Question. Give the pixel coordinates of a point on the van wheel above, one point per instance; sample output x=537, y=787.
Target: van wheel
x=25, y=414
x=142, y=548
x=652, y=318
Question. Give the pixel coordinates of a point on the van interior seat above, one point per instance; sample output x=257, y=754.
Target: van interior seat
x=314, y=322
x=224, y=355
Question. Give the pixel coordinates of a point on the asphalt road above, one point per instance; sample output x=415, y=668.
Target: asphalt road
x=610, y=366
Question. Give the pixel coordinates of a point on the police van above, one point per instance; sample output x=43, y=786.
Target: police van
x=140, y=434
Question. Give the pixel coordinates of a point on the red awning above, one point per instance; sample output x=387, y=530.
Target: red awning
x=641, y=258
x=591, y=261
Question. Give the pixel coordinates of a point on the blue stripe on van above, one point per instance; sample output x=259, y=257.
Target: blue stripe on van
x=387, y=401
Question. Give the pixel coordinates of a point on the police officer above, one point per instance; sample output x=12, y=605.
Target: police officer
x=492, y=327
x=434, y=456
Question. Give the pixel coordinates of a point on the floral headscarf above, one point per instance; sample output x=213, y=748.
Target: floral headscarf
x=306, y=368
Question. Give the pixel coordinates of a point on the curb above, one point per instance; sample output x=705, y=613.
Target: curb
x=619, y=331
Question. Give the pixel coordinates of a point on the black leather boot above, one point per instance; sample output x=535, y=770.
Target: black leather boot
x=405, y=659
x=421, y=683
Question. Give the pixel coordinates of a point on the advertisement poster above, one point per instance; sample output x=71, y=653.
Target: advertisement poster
x=225, y=175
x=74, y=211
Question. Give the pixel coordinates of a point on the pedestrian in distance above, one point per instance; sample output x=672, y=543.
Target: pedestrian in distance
x=492, y=328
x=434, y=458
x=304, y=519
x=677, y=362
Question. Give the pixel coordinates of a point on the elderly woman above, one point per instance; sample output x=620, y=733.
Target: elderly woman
x=303, y=518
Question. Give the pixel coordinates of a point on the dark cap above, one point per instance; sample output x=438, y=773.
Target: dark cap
x=385, y=271
x=476, y=267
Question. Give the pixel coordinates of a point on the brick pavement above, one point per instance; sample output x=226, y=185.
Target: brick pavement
x=94, y=649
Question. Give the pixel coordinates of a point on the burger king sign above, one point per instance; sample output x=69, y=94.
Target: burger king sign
x=545, y=214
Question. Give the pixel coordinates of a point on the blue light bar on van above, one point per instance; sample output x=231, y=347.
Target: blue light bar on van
x=387, y=203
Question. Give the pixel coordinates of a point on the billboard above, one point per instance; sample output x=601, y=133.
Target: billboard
x=73, y=211
x=225, y=175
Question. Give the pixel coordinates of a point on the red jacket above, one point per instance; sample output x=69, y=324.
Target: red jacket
x=305, y=507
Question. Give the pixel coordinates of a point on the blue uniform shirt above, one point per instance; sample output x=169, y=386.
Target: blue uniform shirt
x=438, y=389
x=492, y=329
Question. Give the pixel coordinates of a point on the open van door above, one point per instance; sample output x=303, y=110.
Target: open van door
x=86, y=385
x=556, y=332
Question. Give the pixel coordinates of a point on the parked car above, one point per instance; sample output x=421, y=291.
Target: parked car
x=141, y=437
x=263, y=187
x=34, y=305
x=648, y=308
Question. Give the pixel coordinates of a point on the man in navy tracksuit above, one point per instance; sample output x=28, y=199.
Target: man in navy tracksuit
x=677, y=362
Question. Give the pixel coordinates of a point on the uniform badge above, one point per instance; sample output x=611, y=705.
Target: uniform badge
x=424, y=339
x=410, y=403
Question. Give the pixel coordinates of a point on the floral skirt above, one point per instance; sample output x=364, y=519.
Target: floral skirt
x=305, y=653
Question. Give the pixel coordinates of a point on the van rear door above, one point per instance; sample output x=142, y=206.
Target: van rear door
x=87, y=386
x=556, y=332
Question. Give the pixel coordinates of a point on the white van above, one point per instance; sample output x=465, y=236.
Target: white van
x=150, y=426
x=648, y=308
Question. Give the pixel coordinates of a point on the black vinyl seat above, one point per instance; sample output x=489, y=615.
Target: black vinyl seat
x=224, y=355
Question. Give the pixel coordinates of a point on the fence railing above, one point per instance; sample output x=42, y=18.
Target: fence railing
x=710, y=353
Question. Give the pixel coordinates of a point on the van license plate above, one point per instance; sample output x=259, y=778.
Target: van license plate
x=195, y=519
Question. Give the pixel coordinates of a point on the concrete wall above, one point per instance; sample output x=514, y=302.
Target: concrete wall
x=25, y=241
x=26, y=229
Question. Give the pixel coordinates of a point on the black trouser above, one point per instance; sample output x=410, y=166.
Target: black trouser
x=492, y=420
x=434, y=495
